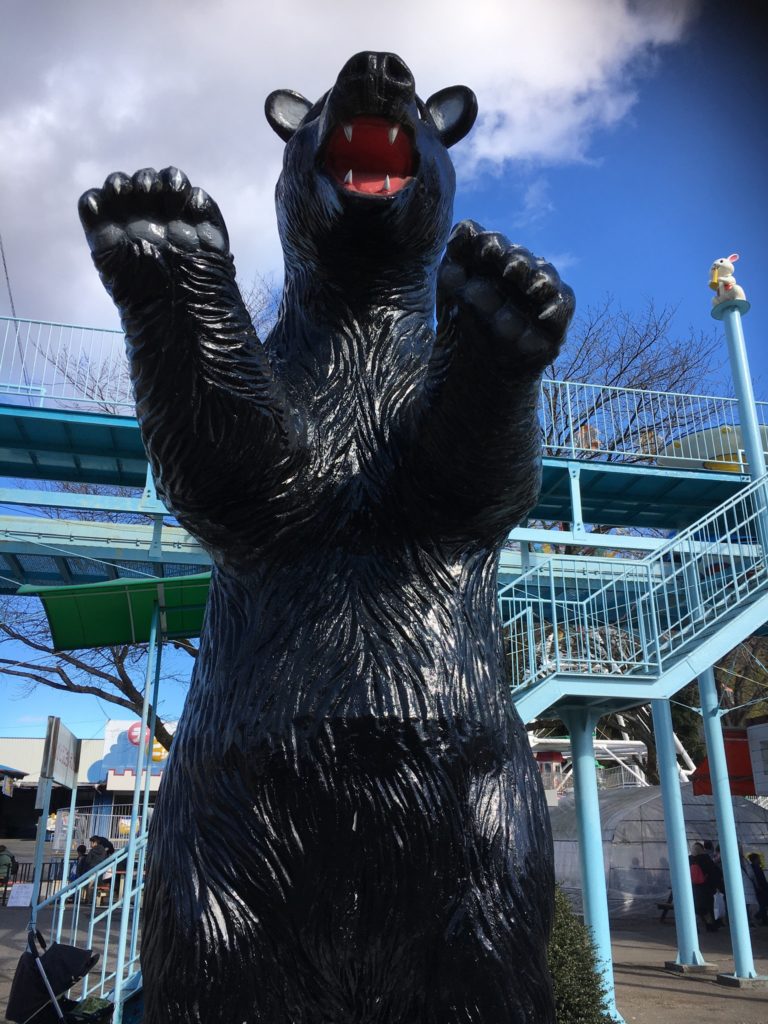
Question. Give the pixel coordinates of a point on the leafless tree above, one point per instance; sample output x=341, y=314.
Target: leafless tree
x=742, y=682
x=607, y=348
x=113, y=674
x=262, y=300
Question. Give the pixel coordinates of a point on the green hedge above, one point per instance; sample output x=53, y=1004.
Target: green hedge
x=579, y=988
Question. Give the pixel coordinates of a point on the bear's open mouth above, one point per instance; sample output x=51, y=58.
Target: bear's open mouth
x=370, y=156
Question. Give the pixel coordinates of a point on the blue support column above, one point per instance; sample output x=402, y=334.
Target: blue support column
x=688, y=951
x=581, y=723
x=68, y=841
x=738, y=921
x=577, y=516
x=151, y=726
x=143, y=762
x=730, y=314
x=43, y=801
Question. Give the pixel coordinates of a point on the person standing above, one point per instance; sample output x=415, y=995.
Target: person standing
x=750, y=888
x=6, y=863
x=706, y=879
x=761, y=887
x=92, y=859
x=81, y=864
x=6, y=872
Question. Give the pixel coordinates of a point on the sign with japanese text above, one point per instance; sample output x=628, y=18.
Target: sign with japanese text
x=61, y=754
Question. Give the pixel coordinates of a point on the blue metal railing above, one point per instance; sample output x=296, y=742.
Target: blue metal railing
x=88, y=911
x=113, y=931
x=63, y=366
x=651, y=428
x=598, y=616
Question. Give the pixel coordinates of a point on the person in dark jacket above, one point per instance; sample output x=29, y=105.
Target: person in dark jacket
x=81, y=864
x=761, y=887
x=6, y=864
x=96, y=854
x=706, y=880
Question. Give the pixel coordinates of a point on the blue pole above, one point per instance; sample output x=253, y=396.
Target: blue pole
x=130, y=859
x=688, y=951
x=147, y=784
x=151, y=726
x=44, y=789
x=68, y=846
x=581, y=723
x=730, y=313
x=738, y=921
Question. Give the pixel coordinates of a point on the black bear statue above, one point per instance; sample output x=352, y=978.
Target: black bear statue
x=351, y=827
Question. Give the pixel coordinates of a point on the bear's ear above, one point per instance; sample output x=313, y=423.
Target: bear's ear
x=454, y=111
x=285, y=110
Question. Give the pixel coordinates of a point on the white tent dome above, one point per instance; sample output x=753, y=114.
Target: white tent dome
x=635, y=845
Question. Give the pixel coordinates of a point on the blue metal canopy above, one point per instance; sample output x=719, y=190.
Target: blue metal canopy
x=47, y=444
x=632, y=494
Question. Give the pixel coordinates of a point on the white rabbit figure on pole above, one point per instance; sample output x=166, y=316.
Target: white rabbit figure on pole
x=722, y=281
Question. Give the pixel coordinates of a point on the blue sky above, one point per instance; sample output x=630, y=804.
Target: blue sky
x=679, y=181
x=627, y=141
x=26, y=714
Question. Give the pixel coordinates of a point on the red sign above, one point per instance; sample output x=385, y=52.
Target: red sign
x=134, y=734
x=739, y=767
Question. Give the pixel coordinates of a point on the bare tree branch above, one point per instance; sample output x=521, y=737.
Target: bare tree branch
x=113, y=674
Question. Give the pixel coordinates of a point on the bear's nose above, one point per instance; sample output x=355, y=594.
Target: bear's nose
x=377, y=76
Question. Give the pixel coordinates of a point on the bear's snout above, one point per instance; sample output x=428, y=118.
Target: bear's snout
x=374, y=83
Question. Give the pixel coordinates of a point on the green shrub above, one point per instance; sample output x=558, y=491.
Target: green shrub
x=579, y=987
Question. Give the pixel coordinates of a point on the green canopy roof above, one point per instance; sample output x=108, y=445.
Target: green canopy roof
x=120, y=611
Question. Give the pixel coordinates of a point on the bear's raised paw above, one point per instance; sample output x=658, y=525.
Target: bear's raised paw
x=134, y=220
x=503, y=295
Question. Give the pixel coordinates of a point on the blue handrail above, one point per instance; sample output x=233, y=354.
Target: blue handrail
x=79, y=919
x=628, y=618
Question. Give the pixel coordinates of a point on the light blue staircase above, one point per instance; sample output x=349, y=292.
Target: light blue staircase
x=613, y=632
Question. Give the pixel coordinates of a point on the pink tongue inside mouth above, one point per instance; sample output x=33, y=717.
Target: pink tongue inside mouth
x=372, y=183
x=369, y=162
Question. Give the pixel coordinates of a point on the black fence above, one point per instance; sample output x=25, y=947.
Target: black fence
x=53, y=872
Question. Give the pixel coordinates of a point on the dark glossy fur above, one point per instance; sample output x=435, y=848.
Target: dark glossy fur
x=351, y=826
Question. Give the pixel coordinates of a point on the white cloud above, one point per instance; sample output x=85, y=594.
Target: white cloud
x=536, y=204
x=92, y=87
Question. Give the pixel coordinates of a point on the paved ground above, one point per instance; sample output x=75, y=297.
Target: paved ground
x=648, y=994
x=645, y=992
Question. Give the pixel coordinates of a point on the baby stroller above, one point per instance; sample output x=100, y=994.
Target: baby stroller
x=42, y=978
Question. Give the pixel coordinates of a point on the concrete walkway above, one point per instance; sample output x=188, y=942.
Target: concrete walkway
x=648, y=994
